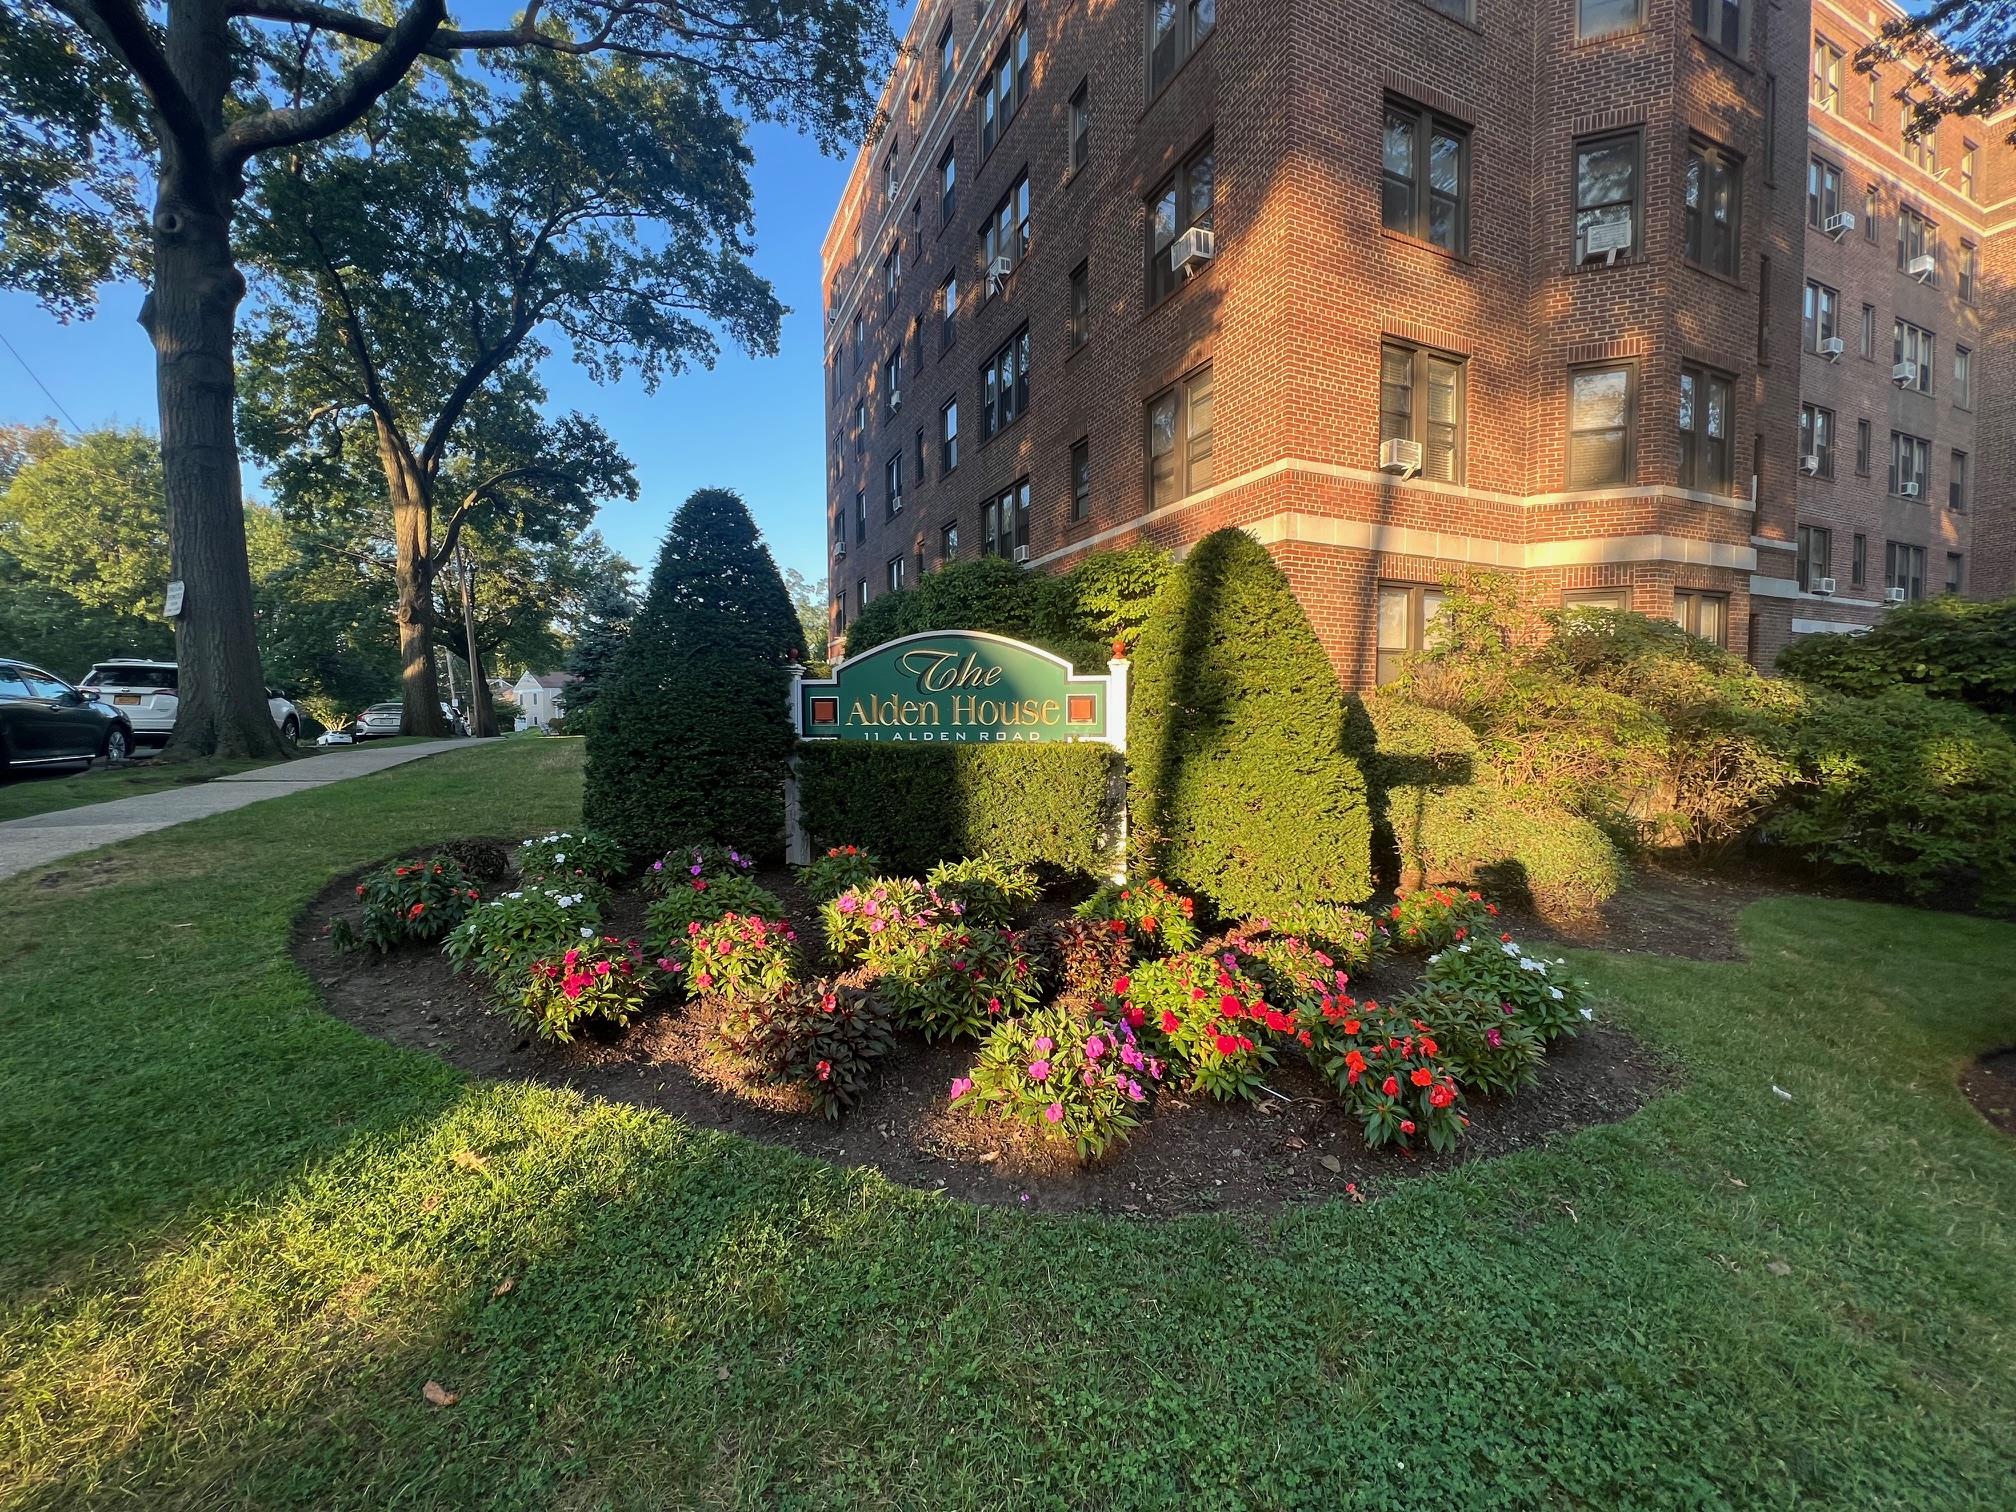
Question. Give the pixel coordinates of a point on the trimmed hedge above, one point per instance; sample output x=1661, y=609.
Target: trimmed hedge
x=1240, y=789
x=1956, y=648
x=917, y=807
x=1507, y=846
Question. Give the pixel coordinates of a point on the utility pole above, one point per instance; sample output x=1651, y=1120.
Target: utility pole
x=482, y=717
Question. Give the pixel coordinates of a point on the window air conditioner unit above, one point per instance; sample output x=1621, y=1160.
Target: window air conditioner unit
x=1402, y=457
x=840, y=551
x=895, y=400
x=1192, y=249
x=1904, y=374
x=1907, y=490
x=1823, y=586
x=1606, y=238
x=998, y=271
x=1893, y=595
x=1922, y=266
x=1809, y=464
x=895, y=504
x=1021, y=553
x=1839, y=224
x=1832, y=348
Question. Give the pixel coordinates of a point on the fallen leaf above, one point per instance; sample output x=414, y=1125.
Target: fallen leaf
x=503, y=1286
x=469, y=1160
x=1778, y=1268
x=721, y=1373
x=1734, y=1182
x=1331, y=1164
x=1297, y=1142
x=430, y=1202
x=440, y=1395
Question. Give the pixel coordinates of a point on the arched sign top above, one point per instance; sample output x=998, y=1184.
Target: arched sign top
x=963, y=687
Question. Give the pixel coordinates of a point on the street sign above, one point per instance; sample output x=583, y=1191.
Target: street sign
x=171, y=607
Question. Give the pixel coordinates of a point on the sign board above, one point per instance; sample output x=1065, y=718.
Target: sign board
x=171, y=607
x=962, y=687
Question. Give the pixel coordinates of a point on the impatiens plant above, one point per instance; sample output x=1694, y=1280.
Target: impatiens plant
x=954, y=980
x=842, y=867
x=701, y=900
x=604, y=978
x=692, y=863
x=1349, y=935
x=1153, y=917
x=1488, y=1050
x=870, y=921
x=565, y=852
x=413, y=902
x=989, y=891
x=1214, y=1018
x=823, y=1037
x=1066, y=1078
x=1083, y=959
x=1538, y=992
x=1294, y=973
x=739, y=958
x=1436, y=917
x=503, y=937
x=1389, y=1071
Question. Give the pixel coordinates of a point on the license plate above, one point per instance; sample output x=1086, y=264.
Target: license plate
x=125, y=698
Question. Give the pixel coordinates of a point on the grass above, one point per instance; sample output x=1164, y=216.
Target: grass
x=237, y=1238
x=44, y=792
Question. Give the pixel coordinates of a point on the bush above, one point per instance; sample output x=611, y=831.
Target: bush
x=824, y=1038
x=1239, y=788
x=1065, y=1078
x=842, y=867
x=1438, y=916
x=1911, y=790
x=1389, y=1071
x=915, y=807
x=1538, y=992
x=413, y=902
x=690, y=863
x=1084, y=960
x=952, y=980
x=1215, y=1020
x=692, y=737
x=1095, y=610
x=1953, y=648
x=1297, y=976
x=987, y=891
x=1151, y=916
x=1485, y=1048
x=668, y=921
x=739, y=958
x=985, y=593
x=566, y=852
x=607, y=980
x=503, y=937
x=1401, y=743
x=1515, y=847
x=867, y=920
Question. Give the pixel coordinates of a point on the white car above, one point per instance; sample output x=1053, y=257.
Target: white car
x=146, y=693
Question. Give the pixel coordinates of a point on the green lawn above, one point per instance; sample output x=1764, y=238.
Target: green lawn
x=236, y=1239
x=43, y=792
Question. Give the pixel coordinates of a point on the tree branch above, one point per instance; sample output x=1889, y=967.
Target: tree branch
x=119, y=28
x=448, y=41
x=480, y=495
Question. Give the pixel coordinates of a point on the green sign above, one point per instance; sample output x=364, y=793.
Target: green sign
x=962, y=686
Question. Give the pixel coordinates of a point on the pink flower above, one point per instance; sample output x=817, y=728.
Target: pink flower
x=961, y=1085
x=1054, y=1113
x=1094, y=1048
x=1038, y=1069
x=1493, y=1038
x=1134, y=1092
x=1044, y=1044
x=875, y=926
x=847, y=905
x=993, y=1005
x=1131, y=1057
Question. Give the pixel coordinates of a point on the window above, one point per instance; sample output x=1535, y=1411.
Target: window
x=1427, y=176
x=1460, y=9
x=948, y=541
x=921, y=458
x=1770, y=128
x=1921, y=145
x=1081, y=125
x=1816, y=439
x=1875, y=94
x=1823, y=192
x=1702, y=614
x=1970, y=158
x=1179, y=440
x=1714, y=202
x=1963, y=378
x=1606, y=196
x=859, y=341
x=892, y=276
x=948, y=312
x=1865, y=443
x=1176, y=28
x=948, y=187
x=860, y=515
x=1004, y=386
x=840, y=612
x=1721, y=22
x=892, y=172
x=1916, y=237
x=1955, y=565
x=1706, y=457
x=892, y=487
x=1185, y=200
x=1820, y=315
x=892, y=382
x=948, y=437
x=896, y=574
x=1081, y=306
x=1603, y=18
x=1816, y=556
x=1858, y=560
x=1601, y=402
x=1005, y=88
x=1763, y=310
x=860, y=427
x=1970, y=271
x=1904, y=567
x=948, y=57
x=1913, y=344
x=1007, y=236
x=1421, y=399
x=1004, y=521
x=1826, y=75
x=860, y=595
x=1081, y=480
x=1958, y=481
x=1618, y=599
x=1406, y=624
x=1869, y=203
x=1910, y=465
x=1868, y=330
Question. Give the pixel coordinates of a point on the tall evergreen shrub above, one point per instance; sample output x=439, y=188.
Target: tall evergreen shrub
x=692, y=734
x=1239, y=788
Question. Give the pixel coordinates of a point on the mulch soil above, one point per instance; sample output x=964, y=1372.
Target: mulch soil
x=1191, y=1155
x=1990, y=1084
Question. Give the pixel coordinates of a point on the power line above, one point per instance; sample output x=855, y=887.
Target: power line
x=74, y=426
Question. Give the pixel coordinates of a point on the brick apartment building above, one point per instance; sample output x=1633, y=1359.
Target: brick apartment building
x=1410, y=285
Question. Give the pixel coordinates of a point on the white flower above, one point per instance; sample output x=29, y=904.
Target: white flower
x=1532, y=965
x=1589, y=1014
x=1558, y=993
x=1434, y=958
x=1509, y=948
x=527, y=842
x=1464, y=948
x=587, y=933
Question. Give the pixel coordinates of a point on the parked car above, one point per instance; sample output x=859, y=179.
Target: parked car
x=44, y=721
x=147, y=693
x=379, y=720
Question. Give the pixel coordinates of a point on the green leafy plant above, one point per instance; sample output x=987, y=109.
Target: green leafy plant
x=413, y=902
x=1150, y=915
x=1086, y=1081
x=1296, y=975
x=1214, y=1018
x=564, y=853
x=988, y=891
x=823, y=1037
x=606, y=979
x=1951, y=647
x=1486, y=1048
x=1539, y=991
x=1437, y=916
x=740, y=959
x=1388, y=1071
x=872, y=918
x=842, y=867
x=504, y=936
x=954, y=979
x=1082, y=961
x=686, y=864
x=668, y=920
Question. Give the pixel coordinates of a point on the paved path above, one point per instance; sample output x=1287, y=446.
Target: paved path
x=41, y=838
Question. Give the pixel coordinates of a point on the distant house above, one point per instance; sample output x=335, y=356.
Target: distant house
x=542, y=698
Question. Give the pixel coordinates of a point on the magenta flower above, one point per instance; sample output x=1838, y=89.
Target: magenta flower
x=848, y=905
x=993, y=1005
x=1055, y=1113
x=1038, y=1069
x=961, y=1085
x=1094, y=1048
x=1044, y=1044
x=1134, y=1092
x=1493, y=1038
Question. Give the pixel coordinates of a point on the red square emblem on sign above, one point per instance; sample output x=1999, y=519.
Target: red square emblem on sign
x=825, y=711
x=1079, y=708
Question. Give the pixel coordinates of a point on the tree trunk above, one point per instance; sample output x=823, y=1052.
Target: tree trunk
x=413, y=570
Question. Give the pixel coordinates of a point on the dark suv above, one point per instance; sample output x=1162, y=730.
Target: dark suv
x=44, y=721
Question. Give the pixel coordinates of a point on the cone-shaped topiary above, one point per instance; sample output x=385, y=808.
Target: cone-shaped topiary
x=1238, y=786
x=692, y=737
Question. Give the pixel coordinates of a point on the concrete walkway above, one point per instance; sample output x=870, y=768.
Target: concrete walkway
x=26, y=844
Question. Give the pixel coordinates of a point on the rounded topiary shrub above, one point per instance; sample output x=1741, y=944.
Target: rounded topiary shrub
x=1239, y=787
x=1514, y=847
x=692, y=737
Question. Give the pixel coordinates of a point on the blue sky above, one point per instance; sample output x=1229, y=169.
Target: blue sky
x=754, y=425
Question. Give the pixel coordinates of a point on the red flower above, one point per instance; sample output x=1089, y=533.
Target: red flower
x=1120, y=987
x=1422, y=1077
x=1136, y=1017
x=1189, y=905
x=1170, y=1023
x=1229, y=1006
x=1224, y=1044
x=1352, y=1026
x=825, y=1070
x=1280, y=1023
x=416, y=910
x=1442, y=1096
x=1117, y=926
x=360, y=889
x=1148, y=925
x=1406, y=1126
x=1390, y=1087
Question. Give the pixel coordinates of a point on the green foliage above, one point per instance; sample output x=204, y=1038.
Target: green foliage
x=1389, y=1071
x=669, y=919
x=868, y=918
x=1239, y=789
x=842, y=867
x=1434, y=917
x=90, y=518
x=1152, y=917
x=1401, y=743
x=570, y=851
x=1540, y=991
x=598, y=641
x=1912, y=790
x=1515, y=846
x=984, y=593
x=988, y=891
x=951, y=979
x=1298, y=976
x=739, y=958
x=503, y=937
x=1487, y=1049
x=1951, y=647
x=1061, y=1077
x=1084, y=963
x=696, y=739
x=1214, y=1019
x=413, y=902
x=606, y=979
x=915, y=807
x=822, y=1037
